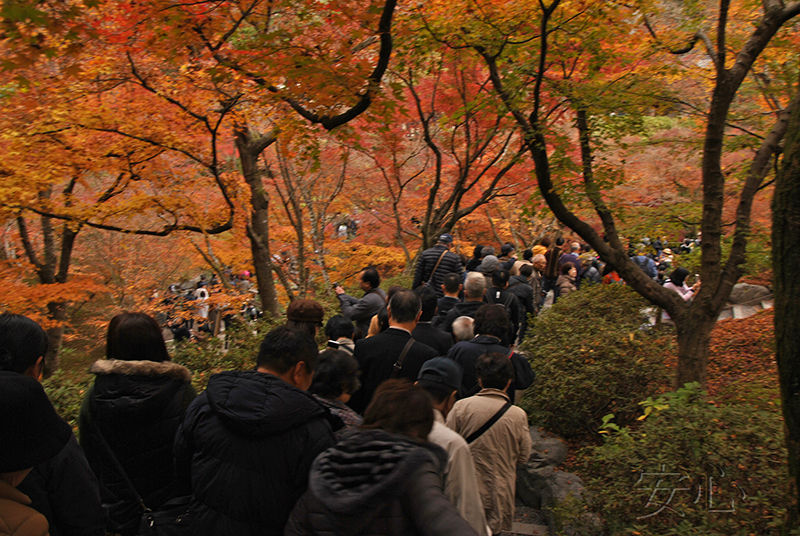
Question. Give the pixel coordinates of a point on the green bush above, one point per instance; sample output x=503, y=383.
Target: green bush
x=591, y=358
x=656, y=480
x=65, y=390
x=211, y=356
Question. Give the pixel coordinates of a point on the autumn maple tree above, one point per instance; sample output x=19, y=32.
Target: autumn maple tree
x=562, y=60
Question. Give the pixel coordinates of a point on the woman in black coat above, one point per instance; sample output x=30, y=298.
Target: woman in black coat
x=384, y=478
x=133, y=409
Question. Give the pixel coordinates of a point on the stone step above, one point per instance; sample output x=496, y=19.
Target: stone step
x=767, y=304
x=527, y=529
x=744, y=311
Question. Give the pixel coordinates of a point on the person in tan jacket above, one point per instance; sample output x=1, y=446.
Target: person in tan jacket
x=498, y=435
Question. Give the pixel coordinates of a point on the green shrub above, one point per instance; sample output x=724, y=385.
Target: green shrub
x=591, y=358
x=65, y=390
x=211, y=356
x=685, y=448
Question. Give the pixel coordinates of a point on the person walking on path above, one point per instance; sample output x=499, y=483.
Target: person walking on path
x=435, y=263
x=498, y=436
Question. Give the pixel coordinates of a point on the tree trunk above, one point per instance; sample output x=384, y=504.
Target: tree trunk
x=258, y=226
x=785, y=260
x=693, y=334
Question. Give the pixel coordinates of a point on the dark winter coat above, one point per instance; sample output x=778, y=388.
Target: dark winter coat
x=64, y=490
x=376, y=357
x=466, y=354
x=433, y=337
x=377, y=484
x=515, y=313
x=247, y=443
x=451, y=263
x=519, y=286
x=137, y=407
x=468, y=308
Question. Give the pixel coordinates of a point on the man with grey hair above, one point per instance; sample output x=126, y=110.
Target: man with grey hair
x=474, y=289
x=463, y=329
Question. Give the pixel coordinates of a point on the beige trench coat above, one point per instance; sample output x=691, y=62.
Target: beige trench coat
x=496, y=453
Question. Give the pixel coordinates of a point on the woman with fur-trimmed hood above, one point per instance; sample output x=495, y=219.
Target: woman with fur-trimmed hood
x=134, y=407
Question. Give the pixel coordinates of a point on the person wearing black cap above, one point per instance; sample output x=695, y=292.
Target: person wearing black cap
x=435, y=263
x=32, y=434
x=441, y=377
x=61, y=487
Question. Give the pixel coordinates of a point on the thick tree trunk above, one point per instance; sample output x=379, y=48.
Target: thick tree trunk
x=258, y=226
x=785, y=260
x=694, y=333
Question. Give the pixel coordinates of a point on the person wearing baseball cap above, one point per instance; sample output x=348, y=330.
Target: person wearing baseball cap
x=441, y=377
x=436, y=262
x=32, y=433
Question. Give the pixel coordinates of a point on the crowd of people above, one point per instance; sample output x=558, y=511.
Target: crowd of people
x=404, y=425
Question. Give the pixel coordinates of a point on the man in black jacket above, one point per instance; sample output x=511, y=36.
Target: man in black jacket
x=379, y=356
x=247, y=442
x=425, y=332
x=474, y=290
x=427, y=268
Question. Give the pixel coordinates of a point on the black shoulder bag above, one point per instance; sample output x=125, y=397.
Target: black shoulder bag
x=172, y=519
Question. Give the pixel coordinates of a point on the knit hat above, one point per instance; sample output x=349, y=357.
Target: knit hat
x=32, y=431
x=442, y=371
x=489, y=264
x=305, y=311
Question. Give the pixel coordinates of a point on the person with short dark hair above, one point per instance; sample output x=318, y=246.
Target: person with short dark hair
x=62, y=487
x=520, y=286
x=435, y=262
x=379, y=356
x=498, y=294
x=566, y=281
x=362, y=310
x=32, y=434
x=382, y=478
x=134, y=408
x=249, y=439
x=441, y=377
x=498, y=450
x=475, y=261
x=340, y=332
x=335, y=381
x=425, y=332
x=451, y=287
x=474, y=290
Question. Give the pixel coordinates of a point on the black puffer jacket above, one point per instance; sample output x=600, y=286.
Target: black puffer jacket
x=375, y=483
x=451, y=263
x=137, y=406
x=248, y=443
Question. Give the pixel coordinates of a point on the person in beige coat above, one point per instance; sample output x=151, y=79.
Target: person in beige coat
x=498, y=449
